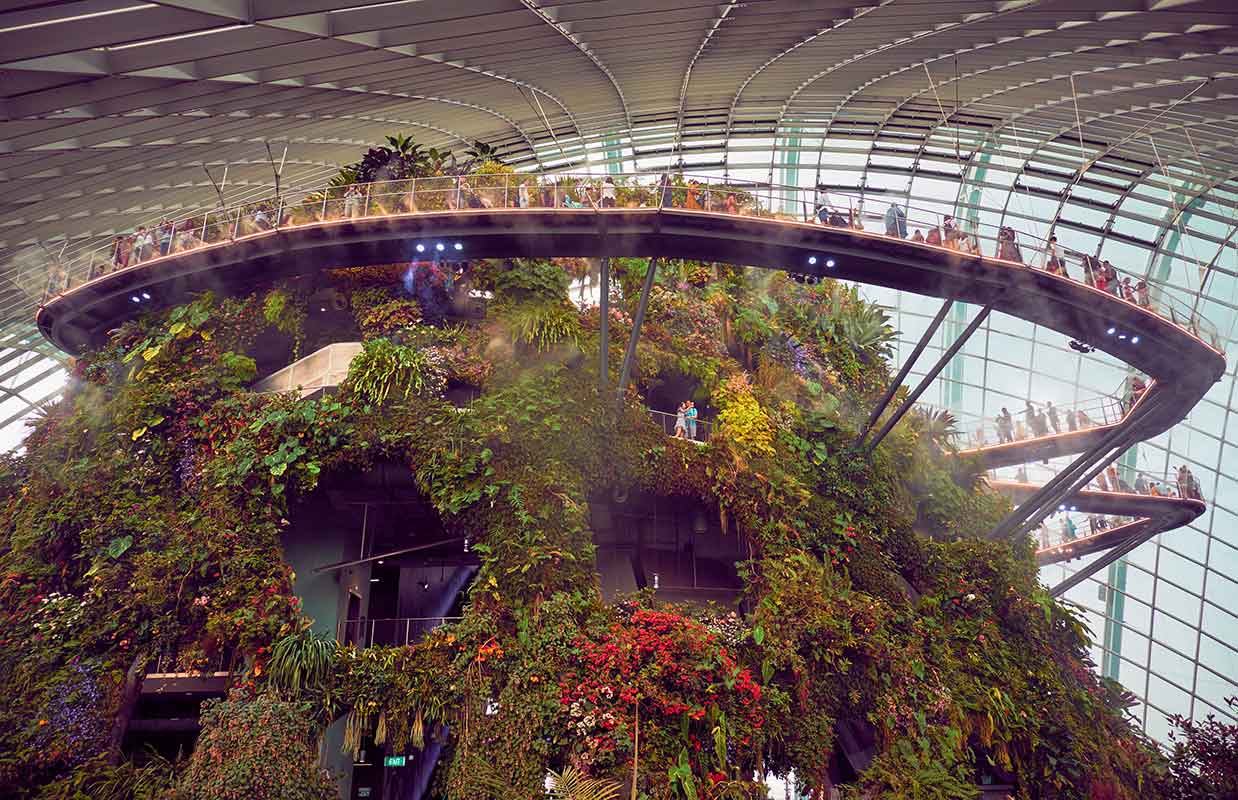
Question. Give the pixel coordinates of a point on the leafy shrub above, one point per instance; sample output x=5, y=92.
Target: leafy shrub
x=542, y=326
x=530, y=281
x=383, y=367
x=260, y=747
x=387, y=318
x=742, y=420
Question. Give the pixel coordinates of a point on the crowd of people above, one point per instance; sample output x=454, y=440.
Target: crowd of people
x=1035, y=422
x=671, y=191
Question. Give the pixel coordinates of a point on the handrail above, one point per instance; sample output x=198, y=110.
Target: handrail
x=298, y=206
x=390, y=631
x=1130, y=481
x=694, y=430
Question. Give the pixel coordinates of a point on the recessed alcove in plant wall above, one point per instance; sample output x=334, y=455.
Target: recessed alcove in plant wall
x=673, y=545
x=374, y=563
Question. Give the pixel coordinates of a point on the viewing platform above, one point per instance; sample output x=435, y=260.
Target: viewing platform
x=774, y=227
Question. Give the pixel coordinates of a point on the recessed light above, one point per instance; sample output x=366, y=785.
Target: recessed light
x=374, y=580
x=812, y=259
x=458, y=246
x=1134, y=340
x=145, y=296
x=830, y=263
x=136, y=299
x=421, y=248
x=440, y=247
x=1111, y=331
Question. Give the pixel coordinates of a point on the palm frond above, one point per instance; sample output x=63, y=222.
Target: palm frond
x=572, y=784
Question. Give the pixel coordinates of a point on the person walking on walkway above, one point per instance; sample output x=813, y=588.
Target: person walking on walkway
x=896, y=221
x=1051, y=413
x=1005, y=427
x=690, y=417
x=681, y=421
x=1053, y=257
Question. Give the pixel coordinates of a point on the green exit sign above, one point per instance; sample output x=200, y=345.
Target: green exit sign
x=395, y=761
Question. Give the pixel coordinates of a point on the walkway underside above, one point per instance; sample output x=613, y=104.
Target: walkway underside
x=1182, y=366
x=1152, y=515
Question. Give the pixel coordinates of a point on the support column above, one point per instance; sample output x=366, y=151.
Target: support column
x=923, y=385
x=604, y=325
x=1037, y=502
x=1091, y=471
x=630, y=355
x=903, y=372
x=1100, y=562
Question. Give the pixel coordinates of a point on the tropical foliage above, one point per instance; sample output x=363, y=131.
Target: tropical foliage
x=146, y=513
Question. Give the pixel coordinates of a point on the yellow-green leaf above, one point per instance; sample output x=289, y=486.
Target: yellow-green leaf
x=138, y=433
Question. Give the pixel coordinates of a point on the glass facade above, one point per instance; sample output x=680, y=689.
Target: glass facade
x=1165, y=618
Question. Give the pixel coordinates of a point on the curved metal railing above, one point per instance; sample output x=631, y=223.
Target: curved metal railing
x=974, y=432
x=320, y=204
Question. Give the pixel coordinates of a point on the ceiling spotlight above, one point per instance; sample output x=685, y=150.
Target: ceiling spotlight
x=1061, y=508
x=374, y=580
x=1134, y=340
x=1074, y=508
x=1111, y=331
x=145, y=296
x=458, y=246
x=1121, y=335
x=323, y=309
x=421, y=248
x=440, y=247
x=812, y=259
x=136, y=299
x=829, y=262
x=380, y=561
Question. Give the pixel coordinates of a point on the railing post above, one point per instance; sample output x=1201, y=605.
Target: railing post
x=326, y=193
x=365, y=211
x=236, y=227
x=172, y=238
x=279, y=212
x=459, y=182
x=206, y=218
x=506, y=185
x=408, y=623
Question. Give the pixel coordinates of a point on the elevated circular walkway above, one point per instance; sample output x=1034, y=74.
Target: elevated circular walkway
x=1178, y=356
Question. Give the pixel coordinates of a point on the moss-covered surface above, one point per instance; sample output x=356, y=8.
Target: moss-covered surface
x=146, y=512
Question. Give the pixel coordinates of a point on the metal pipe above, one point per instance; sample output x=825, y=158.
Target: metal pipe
x=604, y=325
x=1096, y=565
x=1031, y=505
x=630, y=355
x=929, y=378
x=906, y=368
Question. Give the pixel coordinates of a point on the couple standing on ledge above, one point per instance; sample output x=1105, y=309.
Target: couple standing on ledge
x=685, y=420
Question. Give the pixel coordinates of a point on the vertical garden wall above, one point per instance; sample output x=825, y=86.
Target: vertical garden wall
x=145, y=514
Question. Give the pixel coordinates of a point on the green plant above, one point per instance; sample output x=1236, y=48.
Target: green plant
x=301, y=663
x=866, y=328
x=256, y=744
x=530, y=281
x=383, y=367
x=572, y=784
x=542, y=326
